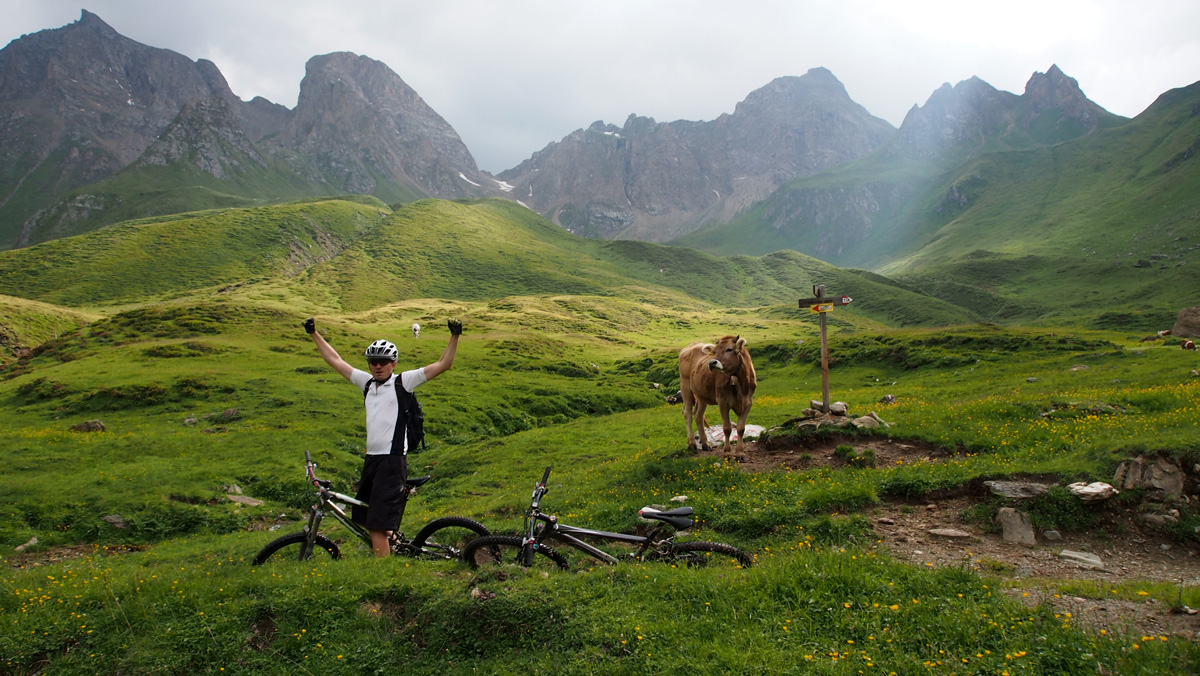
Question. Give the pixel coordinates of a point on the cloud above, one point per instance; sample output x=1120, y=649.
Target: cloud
x=514, y=76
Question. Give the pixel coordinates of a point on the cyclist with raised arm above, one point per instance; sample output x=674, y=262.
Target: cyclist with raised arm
x=385, y=466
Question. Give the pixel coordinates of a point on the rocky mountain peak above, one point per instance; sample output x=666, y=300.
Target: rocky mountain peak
x=208, y=135
x=359, y=120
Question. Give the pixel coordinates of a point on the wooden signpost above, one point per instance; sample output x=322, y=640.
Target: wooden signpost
x=820, y=303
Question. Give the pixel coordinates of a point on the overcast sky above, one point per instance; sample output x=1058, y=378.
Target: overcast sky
x=514, y=75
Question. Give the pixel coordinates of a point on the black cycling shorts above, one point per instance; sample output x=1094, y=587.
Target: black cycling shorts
x=382, y=487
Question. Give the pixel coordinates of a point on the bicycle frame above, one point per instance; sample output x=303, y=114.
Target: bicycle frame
x=569, y=535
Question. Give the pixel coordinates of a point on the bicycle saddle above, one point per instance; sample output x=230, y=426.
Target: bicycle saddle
x=413, y=482
x=677, y=518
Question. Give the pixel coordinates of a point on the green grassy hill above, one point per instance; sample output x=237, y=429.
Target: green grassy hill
x=135, y=560
x=339, y=256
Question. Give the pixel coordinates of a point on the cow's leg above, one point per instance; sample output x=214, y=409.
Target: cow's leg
x=728, y=428
x=741, y=427
x=688, y=402
x=701, y=431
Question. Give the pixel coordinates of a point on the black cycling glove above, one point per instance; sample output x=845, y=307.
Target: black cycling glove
x=310, y=325
x=455, y=326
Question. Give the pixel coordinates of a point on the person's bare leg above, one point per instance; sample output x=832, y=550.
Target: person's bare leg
x=379, y=543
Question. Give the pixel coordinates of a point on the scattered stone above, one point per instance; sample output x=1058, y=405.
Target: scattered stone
x=1018, y=490
x=1157, y=520
x=190, y=422
x=228, y=415
x=1024, y=571
x=886, y=521
x=888, y=399
x=679, y=498
x=953, y=533
x=1097, y=491
x=89, y=426
x=1078, y=367
x=1031, y=379
x=20, y=548
x=1017, y=527
x=116, y=520
x=1052, y=536
x=245, y=500
x=839, y=408
x=233, y=489
x=1083, y=559
x=931, y=507
x=1195, y=373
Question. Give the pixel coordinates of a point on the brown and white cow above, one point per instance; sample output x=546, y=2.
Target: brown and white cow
x=720, y=374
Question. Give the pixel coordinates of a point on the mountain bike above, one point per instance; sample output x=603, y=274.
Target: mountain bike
x=659, y=544
x=441, y=539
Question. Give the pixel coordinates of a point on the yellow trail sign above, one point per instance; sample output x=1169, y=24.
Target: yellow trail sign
x=823, y=307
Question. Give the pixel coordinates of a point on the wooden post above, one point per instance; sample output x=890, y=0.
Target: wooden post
x=821, y=304
x=824, y=367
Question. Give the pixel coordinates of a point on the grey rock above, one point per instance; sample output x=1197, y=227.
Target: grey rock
x=244, y=500
x=865, y=421
x=1031, y=379
x=1052, y=536
x=1017, y=527
x=1018, y=490
x=20, y=548
x=839, y=408
x=952, y=533
x=1187, y=324
x=1155, y=473
x=89, y=426
x=116, y=520
x=1083, y=559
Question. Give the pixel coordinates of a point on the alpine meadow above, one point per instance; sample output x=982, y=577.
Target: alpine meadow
x=1006, y=482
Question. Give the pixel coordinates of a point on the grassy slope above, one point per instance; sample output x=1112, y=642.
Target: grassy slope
x=159, y=258
x=430, y=249
x=543, y=377
x=614, y=446
x=26, y=323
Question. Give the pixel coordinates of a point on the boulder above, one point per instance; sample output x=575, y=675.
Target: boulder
x=116, y=520
x=1018, y=490
x=1097, y=491
x=865, y=421
x=1017, y=527
x=952, y=533
x=1187, y=324
x=244, y=500
x=1082, y=559
x=1155, y=473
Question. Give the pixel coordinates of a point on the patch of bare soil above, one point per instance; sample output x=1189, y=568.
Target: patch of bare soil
x=65, y=553
x=1130, y=550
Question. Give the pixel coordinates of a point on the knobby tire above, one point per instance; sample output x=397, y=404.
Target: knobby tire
x=446, y=537
x=296, y=540
x=505, y=550
x=698, y=553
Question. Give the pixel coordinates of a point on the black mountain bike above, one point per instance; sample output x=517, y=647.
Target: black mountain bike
x=659, y=544
x=442, y=539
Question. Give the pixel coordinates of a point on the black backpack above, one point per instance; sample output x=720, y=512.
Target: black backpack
x=410, y=417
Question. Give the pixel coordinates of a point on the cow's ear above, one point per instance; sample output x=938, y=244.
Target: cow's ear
x=741, y=342
x=708, y=348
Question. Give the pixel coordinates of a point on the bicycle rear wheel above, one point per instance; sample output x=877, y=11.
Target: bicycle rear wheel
x=493, y=551
x=445, y=538
x=698, y=553
x=289, y=546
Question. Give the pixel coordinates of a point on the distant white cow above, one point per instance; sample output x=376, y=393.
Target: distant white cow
x=416, y=330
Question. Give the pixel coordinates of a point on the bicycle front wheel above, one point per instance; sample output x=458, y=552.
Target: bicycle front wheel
x=701, y=554
x=493, y=551
x=446, y=537
x=289, y=547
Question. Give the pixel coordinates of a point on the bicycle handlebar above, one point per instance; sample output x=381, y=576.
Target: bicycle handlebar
x=545, y=477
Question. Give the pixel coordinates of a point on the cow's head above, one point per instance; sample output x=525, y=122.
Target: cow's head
x=726, y=355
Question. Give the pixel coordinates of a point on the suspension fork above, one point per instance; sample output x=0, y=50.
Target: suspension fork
x=315, y=514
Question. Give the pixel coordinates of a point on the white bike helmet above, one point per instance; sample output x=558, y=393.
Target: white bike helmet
x=382, y=349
